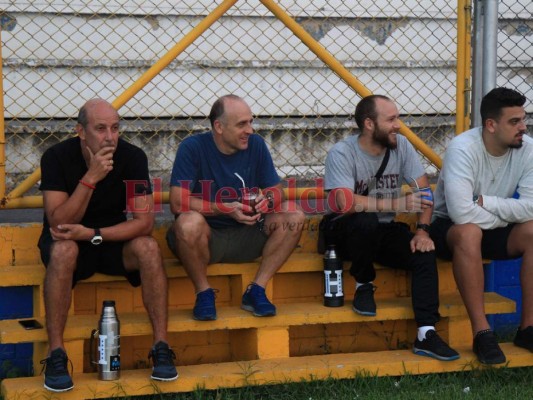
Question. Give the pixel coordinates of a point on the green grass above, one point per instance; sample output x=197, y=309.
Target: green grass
x=502, y=383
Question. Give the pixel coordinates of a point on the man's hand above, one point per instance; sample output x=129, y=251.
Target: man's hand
x=100, y=164
x=71, y=232
x=413, y=202
x=239, y=211
x=263, y=204
x=422, y=242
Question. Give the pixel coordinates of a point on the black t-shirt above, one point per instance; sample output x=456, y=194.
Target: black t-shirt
x=63, y=165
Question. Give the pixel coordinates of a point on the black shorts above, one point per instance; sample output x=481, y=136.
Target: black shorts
x=238, y=244
x=105, y=258
x=493, y=242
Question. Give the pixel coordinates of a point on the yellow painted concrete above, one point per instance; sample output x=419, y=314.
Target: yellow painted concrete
x=232, y=317
x=272, y=371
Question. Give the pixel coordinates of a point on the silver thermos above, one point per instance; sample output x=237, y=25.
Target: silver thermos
x=108, y=334
x=333, y=295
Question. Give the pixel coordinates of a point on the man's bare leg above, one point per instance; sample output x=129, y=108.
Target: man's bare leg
x=58, y=289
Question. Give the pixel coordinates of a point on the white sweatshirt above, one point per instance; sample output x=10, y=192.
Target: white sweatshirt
x=470, y=170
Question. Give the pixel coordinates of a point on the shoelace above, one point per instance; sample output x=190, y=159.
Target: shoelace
x=57, y=364
x=162, y=356
x=260, y=296
x=436, y=340
x=207, y=297
x=367, y=288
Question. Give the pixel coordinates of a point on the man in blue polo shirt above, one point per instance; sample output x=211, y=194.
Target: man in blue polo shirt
x=213, y=176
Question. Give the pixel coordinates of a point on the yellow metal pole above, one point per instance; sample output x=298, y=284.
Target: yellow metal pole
x=2, y=130
x=292, y=193
x=463, y=64
x=344, y=74
x=173, y=53
x=139, y=84
x=24, y=186
x=468, y=64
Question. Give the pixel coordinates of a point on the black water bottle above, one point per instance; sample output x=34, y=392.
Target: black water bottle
x=333, y=295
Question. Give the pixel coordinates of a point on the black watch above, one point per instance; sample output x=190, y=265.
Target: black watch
x=424, y=227
x=97, y=238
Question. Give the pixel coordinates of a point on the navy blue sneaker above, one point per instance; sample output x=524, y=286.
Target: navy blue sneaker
x=363, y=300
x=434, y=346
x=204, y=307
x=255, y=301
x=56, y=376
x=163, y=359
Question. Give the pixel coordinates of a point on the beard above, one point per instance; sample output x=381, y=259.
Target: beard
x=383, y=138
x=518, y=144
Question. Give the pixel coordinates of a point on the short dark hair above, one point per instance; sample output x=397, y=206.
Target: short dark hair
x=366, y=108
x=496, y=100
x=217, y=110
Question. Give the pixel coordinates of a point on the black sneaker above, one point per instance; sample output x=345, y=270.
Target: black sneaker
x=524, y=338
x=487, y=349
x=163, y=359
x=363, y=300
x=434, y=346
x=56, y=376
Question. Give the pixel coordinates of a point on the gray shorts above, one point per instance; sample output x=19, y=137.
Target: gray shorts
x=232, y=245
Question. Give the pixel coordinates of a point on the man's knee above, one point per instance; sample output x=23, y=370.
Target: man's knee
x=142, y=253
x=290, y=218
x=64, y=253
x=520, y=238
x=466, y=236
x=144, y=246
x=190, y=225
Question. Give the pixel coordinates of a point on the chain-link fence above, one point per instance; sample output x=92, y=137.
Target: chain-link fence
x=58, y=54
x=515, y=47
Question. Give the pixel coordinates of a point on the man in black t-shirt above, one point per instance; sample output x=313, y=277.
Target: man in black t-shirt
x=89, y=183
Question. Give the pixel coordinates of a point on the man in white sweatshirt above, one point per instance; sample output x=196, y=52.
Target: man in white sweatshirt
x=476, y=215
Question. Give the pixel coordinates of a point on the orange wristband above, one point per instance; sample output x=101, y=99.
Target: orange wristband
x=87, y=185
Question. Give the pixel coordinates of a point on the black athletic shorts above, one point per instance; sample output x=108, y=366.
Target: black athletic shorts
x=493, y=243
x=105, y=258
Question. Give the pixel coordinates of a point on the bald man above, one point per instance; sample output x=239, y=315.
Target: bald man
x=86, y=230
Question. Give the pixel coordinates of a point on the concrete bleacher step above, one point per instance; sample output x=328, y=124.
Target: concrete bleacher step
x=232, y=317
x=261, y=372
x=33, y=274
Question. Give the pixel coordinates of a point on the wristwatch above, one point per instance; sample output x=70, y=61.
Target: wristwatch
x=424, y=227
x=476, y=199
x=97, y=238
